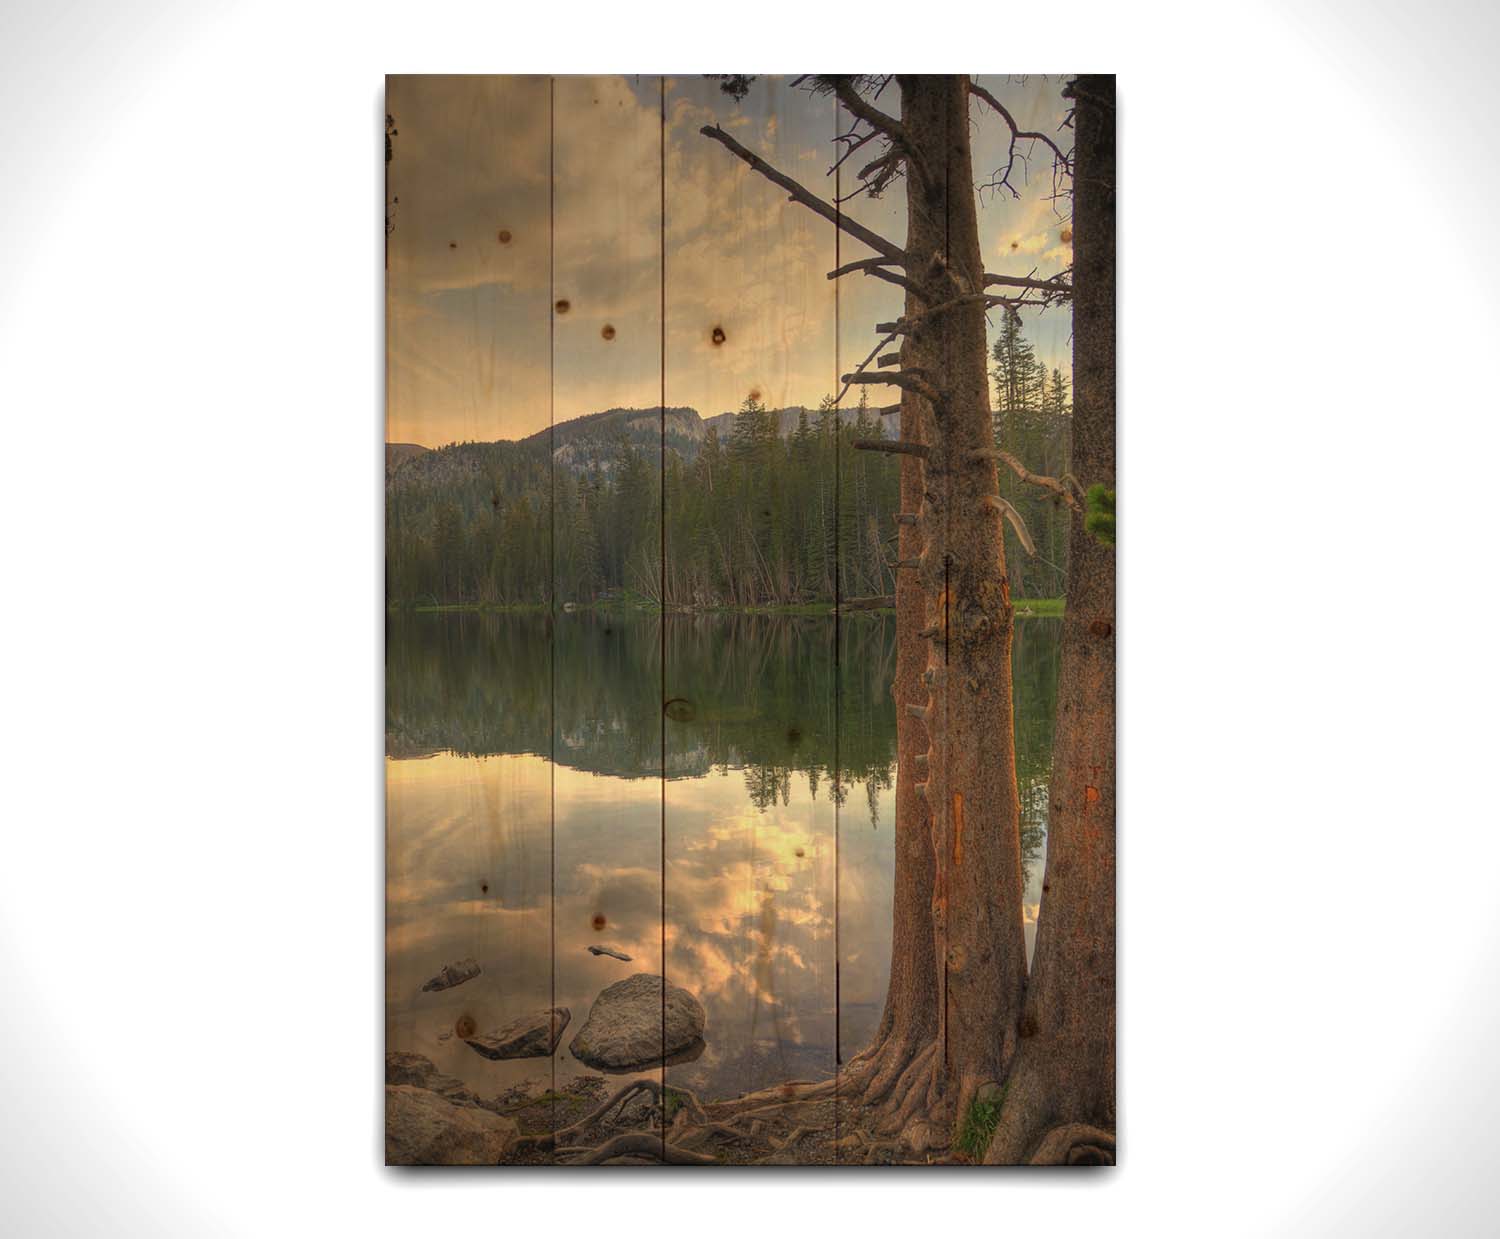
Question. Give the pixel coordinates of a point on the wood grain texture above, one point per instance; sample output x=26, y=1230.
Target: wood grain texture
x=470, y=834
x=606, y=353
x=750, y=922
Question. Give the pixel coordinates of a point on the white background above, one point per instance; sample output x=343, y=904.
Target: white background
x=190, y=362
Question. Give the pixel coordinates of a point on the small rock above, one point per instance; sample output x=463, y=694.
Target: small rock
x=609, y=950
x=453, y=974
x=917, y=1136
x=528, y=1036
x=624, y=1030
x=424, y=1129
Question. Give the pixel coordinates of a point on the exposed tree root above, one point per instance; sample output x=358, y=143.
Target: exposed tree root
x=689, y=1100
x=722, y=1130
x=642, y=1144
x=1046, y=1114
x=1075, y=1144
x=790, y=1093
x=773, y=1110
x=782, y=1147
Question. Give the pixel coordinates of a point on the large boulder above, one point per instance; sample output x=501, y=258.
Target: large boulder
x=402, y=1067
x=528, y=1036
x=624, y=1029
x=425, y=1129
x=453, y=974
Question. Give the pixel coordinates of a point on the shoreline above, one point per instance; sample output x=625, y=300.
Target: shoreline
x=1026, y=608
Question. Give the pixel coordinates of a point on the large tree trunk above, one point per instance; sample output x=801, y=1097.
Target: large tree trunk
x=908, y=1025
x=1059, y=1100
x=957, y=619
x=958, y=969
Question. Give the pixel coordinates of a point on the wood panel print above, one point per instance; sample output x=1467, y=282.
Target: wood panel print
x=750, y=527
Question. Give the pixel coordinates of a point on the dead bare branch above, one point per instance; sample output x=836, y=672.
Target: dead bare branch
x=860, y=369
x=907, y=380
x=1056, y=286
x=855, y=140
x=908, y=323
x=999, y=505
x=890, y=277
x=861, y=264
x=1062, y=163
x=808, y=199
x=1056, y=485
x=893, y=129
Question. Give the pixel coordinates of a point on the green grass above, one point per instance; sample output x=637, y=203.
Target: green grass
x=1038, y=606
x=978, y=1126
x=439, y=608
x=671, y=1102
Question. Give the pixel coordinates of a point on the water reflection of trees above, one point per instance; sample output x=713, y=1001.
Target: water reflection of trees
x=755, y=693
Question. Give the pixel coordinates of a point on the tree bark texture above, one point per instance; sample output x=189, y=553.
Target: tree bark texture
x=964, y=705
x=1061, y=1089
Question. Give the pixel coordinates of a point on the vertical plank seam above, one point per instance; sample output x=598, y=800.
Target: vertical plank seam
x=838, y=620
x=552, y=560
x=947, y=590
x=661, y=534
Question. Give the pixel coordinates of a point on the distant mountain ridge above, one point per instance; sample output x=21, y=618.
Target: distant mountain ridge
x=399, y=453
x=593, y=437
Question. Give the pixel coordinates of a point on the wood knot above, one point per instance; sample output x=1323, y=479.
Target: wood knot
x=563, y=306
x=607, y=331
x=465, y=1027
x=1028, y=1026
x=1100, y=628
x=504, y=236
x=717, y=336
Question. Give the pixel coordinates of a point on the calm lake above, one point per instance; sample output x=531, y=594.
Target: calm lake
x=527, y=819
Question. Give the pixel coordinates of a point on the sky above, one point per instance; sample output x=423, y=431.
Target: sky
x=528, y=267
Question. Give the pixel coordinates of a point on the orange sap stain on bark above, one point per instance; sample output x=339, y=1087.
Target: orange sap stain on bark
x=1090, y=795
x=958, y=828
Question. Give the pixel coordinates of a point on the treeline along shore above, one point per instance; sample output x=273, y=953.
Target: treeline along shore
x=763, y=508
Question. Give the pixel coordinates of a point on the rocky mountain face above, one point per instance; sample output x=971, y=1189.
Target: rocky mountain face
x=592, y=440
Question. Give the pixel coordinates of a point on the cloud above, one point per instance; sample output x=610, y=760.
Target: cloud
x=572, y=171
